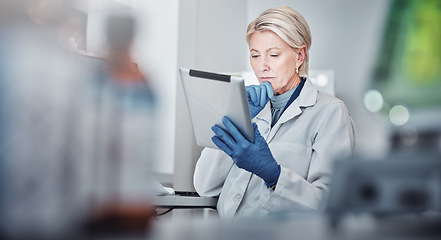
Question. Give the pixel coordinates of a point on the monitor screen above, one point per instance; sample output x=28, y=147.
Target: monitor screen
x=406, y=80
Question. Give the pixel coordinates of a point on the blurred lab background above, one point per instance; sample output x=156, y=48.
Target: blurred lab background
x=93, y=117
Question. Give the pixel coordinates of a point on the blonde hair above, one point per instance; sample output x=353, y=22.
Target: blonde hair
x=289, y=25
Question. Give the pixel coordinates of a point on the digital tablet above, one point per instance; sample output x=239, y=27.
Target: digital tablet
x=210, y=97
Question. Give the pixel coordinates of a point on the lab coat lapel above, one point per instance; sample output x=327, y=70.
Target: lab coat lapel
x=307, y=97
x=265, y=114
x=263, y=120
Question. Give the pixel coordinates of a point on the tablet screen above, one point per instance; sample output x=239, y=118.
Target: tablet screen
x=210, y=97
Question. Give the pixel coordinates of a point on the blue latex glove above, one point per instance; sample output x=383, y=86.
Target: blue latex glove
x=255, y=157
x=258, y=96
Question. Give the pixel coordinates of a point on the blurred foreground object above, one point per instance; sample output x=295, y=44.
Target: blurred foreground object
x=75, y=140
x=123, y=106
x=401, y=184
x=302, y=226
x=42, y=157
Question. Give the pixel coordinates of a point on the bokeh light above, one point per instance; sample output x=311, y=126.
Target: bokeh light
x=322, y=80
x=373, y=100
x=399, y=115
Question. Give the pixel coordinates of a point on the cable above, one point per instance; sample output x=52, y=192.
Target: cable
x=163, y=213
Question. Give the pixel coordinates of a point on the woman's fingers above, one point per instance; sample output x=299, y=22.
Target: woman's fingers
x=269, y=89
x=253, y=95
x=262, y=95
x=223, y=135
x=233, y=131
x=221, y=145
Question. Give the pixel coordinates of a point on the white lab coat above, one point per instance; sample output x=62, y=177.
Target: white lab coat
x=313, y=131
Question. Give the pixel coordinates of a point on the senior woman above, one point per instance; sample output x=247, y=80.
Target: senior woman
x=298, y=130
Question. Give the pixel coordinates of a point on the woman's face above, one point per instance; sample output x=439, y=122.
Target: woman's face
x=274, y=61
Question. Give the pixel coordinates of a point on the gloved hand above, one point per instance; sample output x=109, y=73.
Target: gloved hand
x=258, y=96
x=255, y=157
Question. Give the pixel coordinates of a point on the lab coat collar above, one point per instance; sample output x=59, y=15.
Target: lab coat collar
x=307, y=97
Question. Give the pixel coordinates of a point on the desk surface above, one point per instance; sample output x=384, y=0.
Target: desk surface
x=312, y=226
x=184, y=200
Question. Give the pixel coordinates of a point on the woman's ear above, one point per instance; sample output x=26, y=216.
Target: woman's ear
x=301, y=56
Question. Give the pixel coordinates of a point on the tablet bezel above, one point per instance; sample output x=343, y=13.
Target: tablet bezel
x=209, y=97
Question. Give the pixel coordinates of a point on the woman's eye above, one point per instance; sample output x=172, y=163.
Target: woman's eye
x=274, y=55
x=254, y=56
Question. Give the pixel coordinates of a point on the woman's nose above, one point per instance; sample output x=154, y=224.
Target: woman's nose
x=264, y=67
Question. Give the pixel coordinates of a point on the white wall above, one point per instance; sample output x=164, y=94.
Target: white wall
x=156, y=50
x=345, y=38
x=211, y=37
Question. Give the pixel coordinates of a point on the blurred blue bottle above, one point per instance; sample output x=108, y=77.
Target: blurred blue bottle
x=125, y=116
